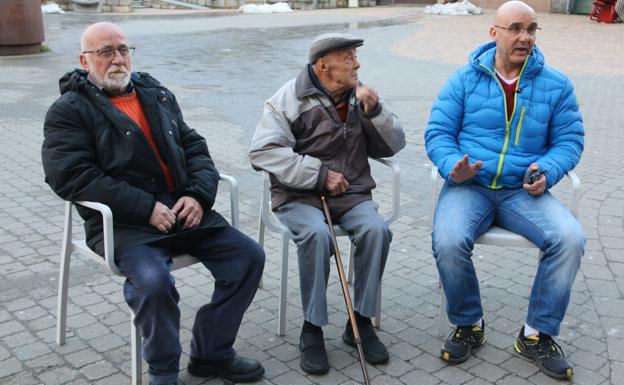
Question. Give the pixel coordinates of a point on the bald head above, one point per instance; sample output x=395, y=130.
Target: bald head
x=106, y=56
x=95, y=33
x=514, y=31
x=511, y=10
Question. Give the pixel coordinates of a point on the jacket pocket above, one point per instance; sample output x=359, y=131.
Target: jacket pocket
x=519, y=128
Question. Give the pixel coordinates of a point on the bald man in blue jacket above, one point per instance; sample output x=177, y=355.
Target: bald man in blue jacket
x=504, y=129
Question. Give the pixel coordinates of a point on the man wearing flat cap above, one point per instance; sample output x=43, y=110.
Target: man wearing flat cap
x=315, y=137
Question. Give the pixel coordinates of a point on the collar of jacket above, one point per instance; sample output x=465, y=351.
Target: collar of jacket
x=484, y=55
x=77, y=80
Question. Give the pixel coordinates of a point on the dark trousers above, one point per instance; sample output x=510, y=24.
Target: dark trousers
x=236, y=263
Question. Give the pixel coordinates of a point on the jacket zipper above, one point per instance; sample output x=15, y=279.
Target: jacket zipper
x=501, y=158
x=519, y=127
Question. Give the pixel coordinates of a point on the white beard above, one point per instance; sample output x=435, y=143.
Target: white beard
x=114, y=84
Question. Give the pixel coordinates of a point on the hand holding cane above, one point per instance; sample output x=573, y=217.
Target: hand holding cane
x=345, y=292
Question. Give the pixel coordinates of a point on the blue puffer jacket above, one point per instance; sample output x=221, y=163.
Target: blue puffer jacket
x=469, y=117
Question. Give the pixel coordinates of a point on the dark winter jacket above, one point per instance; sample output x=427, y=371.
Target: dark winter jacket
x=94, y=152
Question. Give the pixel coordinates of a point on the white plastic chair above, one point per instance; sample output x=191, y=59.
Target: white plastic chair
x=495, y=236
x=269, y=220
x=71, y=245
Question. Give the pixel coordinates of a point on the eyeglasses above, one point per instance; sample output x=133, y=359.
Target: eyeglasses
x=517, y=29
x=109, y=52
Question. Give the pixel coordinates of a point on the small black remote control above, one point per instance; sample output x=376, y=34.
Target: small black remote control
x=533, y=176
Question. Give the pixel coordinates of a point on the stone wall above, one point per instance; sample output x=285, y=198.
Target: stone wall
x=123, y=6
x=555, y=6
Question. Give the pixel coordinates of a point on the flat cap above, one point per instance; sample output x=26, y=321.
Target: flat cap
x=331, y=41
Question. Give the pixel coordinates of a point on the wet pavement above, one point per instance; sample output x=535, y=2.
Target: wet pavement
x=222, y=66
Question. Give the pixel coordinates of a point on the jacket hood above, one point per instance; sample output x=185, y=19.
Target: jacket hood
x=77, y=80
x=484, y=56
x=73, y=80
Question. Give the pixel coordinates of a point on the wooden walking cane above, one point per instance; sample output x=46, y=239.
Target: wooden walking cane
x=345, y=292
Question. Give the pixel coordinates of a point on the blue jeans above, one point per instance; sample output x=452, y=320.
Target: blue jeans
x=236, y=263
x=466, y=211
x=368, y=232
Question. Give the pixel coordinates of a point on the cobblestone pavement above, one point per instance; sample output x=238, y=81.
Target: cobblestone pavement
x=222, y=68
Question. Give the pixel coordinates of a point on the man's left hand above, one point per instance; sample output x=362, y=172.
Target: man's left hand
x=189, y=211
x=367, y=96
x=539, y=186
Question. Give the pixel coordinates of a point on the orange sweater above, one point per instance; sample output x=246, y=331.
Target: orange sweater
x=131, y=106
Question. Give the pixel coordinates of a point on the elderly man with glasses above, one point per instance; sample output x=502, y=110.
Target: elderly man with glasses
x=118, y=137
x=504, y=129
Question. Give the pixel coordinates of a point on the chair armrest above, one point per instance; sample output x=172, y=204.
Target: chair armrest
x=576, y=188
x=107, y=226
x=433, y=195
x=266, y=214
x=435, y=177
x=107, y=220
x=234, y=210
x=396, y=189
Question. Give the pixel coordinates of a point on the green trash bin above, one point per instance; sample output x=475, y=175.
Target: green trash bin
x=21, y=27
x=583, y=7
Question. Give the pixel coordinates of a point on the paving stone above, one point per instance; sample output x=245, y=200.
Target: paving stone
x=487, y=371
x=422, y=377
x=97, y=370
x=82, y=358
x=31, y=351
x=9, y=367
x=92, y=331
x=520, y=367
x=453, y=375
x=10, y=327
x=31, y=313
x=107, y=342
x=57, y=376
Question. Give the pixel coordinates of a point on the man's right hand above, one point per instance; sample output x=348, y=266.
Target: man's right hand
x=162, y=218
x=464, y=170
x=335, y=183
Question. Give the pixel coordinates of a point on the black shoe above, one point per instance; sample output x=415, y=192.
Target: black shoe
x=375, y=351
x=313, y=353
x=461, y=342
x=235, y=369
x=546, y=354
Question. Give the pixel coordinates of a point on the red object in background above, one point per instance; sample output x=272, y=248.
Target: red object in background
x=603, y=11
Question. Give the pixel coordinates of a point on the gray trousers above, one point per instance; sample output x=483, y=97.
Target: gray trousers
x=368, y=232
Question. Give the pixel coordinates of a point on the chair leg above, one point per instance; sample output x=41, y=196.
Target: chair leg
x=350, y=263
x=61, y=304
x=281, y=326
x=63, y=284
x=261, y=242
x=442, y=319
x=135, y=347
x=378, y=309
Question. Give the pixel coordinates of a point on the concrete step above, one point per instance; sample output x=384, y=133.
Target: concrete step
x=138, y=4
x=183, y=4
